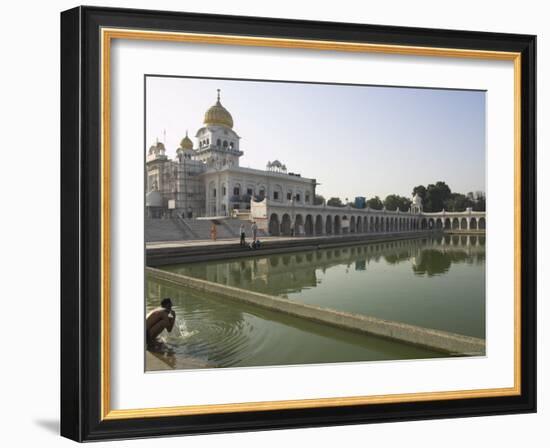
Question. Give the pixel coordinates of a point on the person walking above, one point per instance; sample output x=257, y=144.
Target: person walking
x=243, y=235
x=254, y=228
x=213, y=232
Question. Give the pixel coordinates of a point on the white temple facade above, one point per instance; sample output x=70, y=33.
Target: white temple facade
x=207, y=179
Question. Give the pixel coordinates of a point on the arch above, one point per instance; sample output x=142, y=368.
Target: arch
x=328, y=225
x=318, y=225
x=438, y=223
x=352, y=225
x=286, y=225
x=377, y=224
x=431, y=223
x=481, y=223
x=447, y=224
x=337, y=224
x=236, y=189
x=298, y=225
x=277, y=194
x=308, y=228
x=359, y=225
x=225, y=143
x=274, y=228
x=455, y=224
x=463, y=224
x=261, y=192
x=473, y=224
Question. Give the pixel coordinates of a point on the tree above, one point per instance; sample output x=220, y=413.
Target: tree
x=318, y=200
x=479, y=202
x=394, y=202
x=335, y=202
x=436, y=196
x=375, y=203
x=421, y=191
x=458, y=202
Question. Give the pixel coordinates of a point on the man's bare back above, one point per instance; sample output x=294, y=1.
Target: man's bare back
x=159, y=319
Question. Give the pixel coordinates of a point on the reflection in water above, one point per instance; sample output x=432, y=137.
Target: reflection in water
x=432, y=282
x=219, y=332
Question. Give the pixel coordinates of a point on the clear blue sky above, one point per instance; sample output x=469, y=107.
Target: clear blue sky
x=355, y=140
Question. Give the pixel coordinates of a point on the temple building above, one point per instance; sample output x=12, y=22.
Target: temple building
x=206, y=179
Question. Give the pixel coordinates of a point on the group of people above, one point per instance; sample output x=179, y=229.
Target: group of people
x=255, y=244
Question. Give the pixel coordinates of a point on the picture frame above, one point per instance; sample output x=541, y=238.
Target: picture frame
x=86, y=212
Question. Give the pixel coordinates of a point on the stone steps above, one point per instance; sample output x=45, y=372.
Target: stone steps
x=177, y=229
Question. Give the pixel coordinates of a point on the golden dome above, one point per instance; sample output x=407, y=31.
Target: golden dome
x=218, y=115
x=186, y=142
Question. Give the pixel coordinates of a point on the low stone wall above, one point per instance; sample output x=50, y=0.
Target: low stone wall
x=162, y=256
x=433, y=339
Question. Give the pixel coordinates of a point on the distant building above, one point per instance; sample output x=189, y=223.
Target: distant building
x=207, y=180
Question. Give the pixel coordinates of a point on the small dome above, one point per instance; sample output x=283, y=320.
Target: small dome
x=218, y=115
x=157, y=148
x=186, y=142
x=417, y=200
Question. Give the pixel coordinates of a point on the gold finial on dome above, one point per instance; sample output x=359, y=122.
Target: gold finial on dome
x=218, y=115
x=186, y=142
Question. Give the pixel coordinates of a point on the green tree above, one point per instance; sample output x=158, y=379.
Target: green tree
x=479, y=202
x=394, y=202
x=458, y=202
x=318, y=200
x=375, y=203
x=335, y=202
x=436, y=196
x=421, y=191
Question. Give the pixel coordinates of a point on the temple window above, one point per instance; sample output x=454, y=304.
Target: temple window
x=276, y=195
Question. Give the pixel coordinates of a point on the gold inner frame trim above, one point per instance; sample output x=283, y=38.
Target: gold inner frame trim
x=107, y=35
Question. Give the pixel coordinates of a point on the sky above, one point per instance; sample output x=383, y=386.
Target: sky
x=355, y=140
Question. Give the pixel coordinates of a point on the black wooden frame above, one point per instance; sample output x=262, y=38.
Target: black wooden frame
x=81, y=213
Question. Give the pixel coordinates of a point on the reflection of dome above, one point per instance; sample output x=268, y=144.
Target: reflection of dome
x=186, y=142
x=218, y=115
x=153, y=199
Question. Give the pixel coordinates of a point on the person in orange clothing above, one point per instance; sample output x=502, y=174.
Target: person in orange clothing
x=213, y=232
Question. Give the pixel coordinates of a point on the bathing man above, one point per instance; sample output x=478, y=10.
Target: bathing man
x=159, y=319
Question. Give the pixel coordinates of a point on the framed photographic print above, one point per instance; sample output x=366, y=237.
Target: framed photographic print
x=272, y=223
